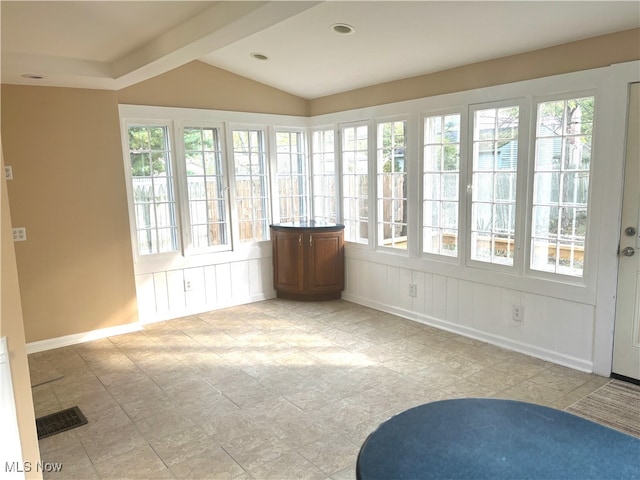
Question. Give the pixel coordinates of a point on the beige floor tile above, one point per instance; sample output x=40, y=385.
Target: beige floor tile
x=142, y=388
x=112, y=443
x=528, y=391
x=467, y=388
x=560, y=380
x=137, y=408
x=272, y=390
x=162, y=425
x=213, y=464
x=181, y=445
x=44, y=400
x=498, y=380
x=141, y=463
x=331, y=453
x=348, y=473
x=68, y=392
x=286, y=466
x=92, y=404
x=74, y=463
x=59, y=441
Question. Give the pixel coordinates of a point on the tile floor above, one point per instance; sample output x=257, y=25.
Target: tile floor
x=271, y=390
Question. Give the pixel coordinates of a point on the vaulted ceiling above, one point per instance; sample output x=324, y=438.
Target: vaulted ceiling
x=113, y=44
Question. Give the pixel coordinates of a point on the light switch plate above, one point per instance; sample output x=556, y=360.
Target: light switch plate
x=8, y=172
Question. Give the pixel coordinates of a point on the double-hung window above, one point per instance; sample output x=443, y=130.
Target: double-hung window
x=440, y=186
x=494, y=179
x=355, y=182
x=564, y=130
x=292, y=175
x=391, y=168
x=251, y=184
x=208, y=214
x=323, y=166
x=153, y=189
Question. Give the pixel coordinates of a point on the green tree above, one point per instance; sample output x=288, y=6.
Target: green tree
x=148, y=149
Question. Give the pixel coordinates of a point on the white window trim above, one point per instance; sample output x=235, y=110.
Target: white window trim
x=164, y=257
x=235, y=226
x=336, y=169
x=371, y=226
x=608, y=83
x=170, y=117
x=517, y=268
x=589, y=242
x=373, y=163
x=462, y=186
x=181, y=176
x=272, y=155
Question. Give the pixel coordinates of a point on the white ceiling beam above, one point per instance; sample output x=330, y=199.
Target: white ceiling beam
x=216, y=27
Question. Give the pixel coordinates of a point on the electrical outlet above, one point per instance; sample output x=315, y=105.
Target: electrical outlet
x=19, y=234
x=517, y=313
x=187, y=285
x=413, y=290
x=8, y=172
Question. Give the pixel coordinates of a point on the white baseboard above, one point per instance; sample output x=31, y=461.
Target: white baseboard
x=76, y=338
x=527, y=349
x=173, y=314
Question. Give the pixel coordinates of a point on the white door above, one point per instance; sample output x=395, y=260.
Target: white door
x=626, y=348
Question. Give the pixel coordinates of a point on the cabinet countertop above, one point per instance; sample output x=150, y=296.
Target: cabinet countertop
x=316, y=225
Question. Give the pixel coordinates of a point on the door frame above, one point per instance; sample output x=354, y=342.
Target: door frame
x=612, y=112
x=623, y=240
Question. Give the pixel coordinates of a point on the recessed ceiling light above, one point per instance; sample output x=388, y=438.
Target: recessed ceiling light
x=342, y=28
x=259, y=56
x=33, y=76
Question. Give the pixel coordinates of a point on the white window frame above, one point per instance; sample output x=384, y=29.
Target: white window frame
x=370, y=241
x=556, y=276
x=462, y=185
x=184, y=194
x=276, y=174
x=373, y=161
x=337, y=207
x=233, y=193
x=520, y=204
x=160, y=257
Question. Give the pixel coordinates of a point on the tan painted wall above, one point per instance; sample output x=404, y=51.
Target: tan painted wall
x=11, y=326
x=76, y=267
x=571, y=57
x=199, y=85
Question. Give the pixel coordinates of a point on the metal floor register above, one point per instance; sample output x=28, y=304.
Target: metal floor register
x=58, y=422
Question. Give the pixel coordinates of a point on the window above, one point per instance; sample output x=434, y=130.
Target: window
x=494, y=175
x=392, y=184
x=206, y=192
x=152, y=179
x=325, y=195
x=292, y=176
x=355, y=183
x=251, y=180
x=441, y=177
x=561, y=185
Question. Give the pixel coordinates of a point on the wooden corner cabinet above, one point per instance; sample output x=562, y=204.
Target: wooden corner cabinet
x=308, y=260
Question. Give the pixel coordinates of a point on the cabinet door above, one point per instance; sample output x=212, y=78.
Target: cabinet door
x=325, y=267
x=288, y=262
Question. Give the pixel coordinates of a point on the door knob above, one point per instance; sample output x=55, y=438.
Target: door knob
x=628, y=252
x=629, y=231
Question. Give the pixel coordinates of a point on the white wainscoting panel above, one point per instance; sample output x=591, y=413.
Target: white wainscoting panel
x=163, y=295
x=553, y=329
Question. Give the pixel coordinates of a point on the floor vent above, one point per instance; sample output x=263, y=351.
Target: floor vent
x=59, y=422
